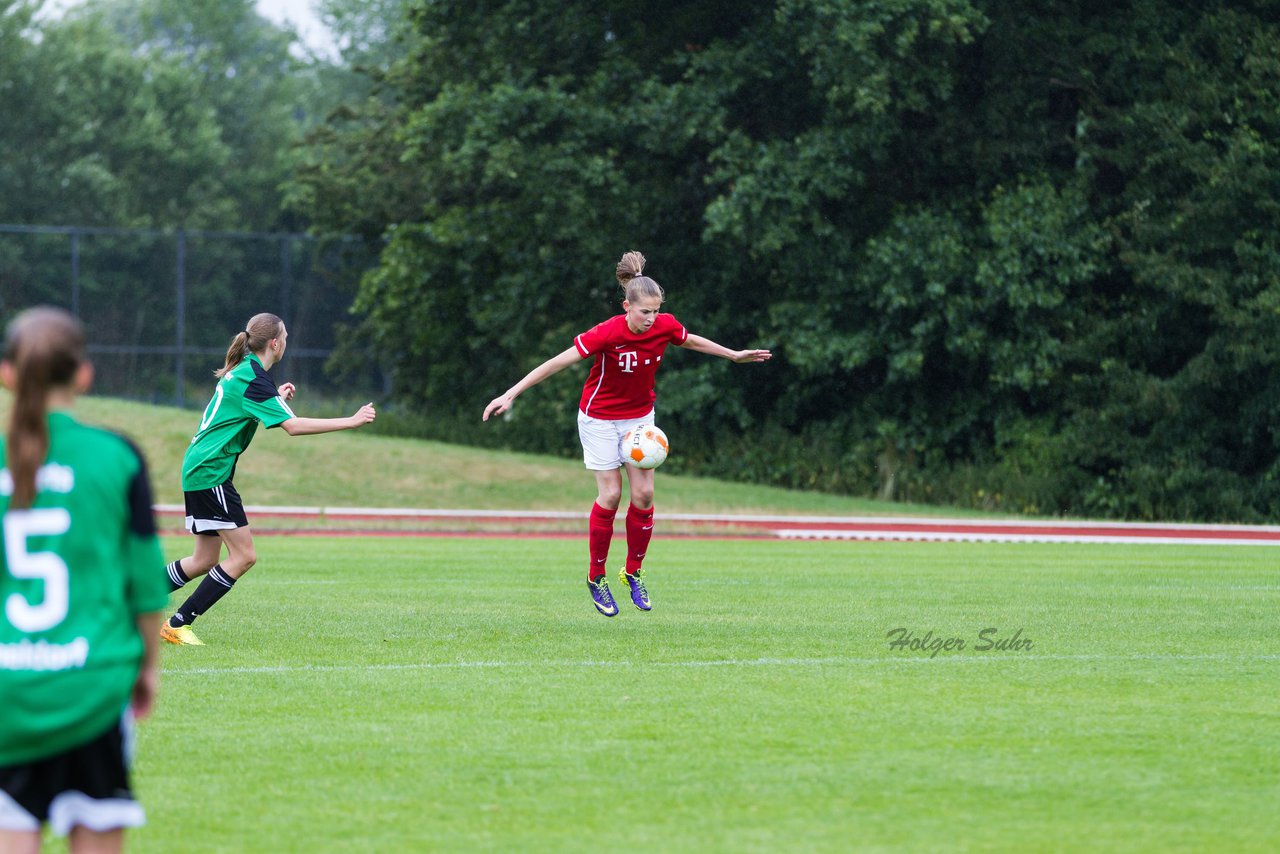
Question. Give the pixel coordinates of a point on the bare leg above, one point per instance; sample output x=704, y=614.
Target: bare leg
x=20, y=841
x=609, y=488
x=86, y=841
x=640, y=482
x=241, y=555
x=217, y=583
x=203, y=558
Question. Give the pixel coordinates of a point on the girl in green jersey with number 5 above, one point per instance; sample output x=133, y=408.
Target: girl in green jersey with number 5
x=80, y=600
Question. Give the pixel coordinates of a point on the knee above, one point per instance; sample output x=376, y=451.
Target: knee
x=642, y=497
x=609, y=499
x=194, y=566
x=241, y=561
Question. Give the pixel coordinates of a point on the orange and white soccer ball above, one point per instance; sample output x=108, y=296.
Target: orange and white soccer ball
x=645, y=447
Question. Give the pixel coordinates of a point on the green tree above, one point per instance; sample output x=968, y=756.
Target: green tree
x=261, y=95
x=526, y=150
x=1013, y=254
x=1177, y=418
x=154, y=115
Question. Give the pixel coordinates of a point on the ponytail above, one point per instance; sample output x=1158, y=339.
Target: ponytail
x=630, y=275
x=631, y=266
x=45, y=347
x=257, y=334
x=235, y=354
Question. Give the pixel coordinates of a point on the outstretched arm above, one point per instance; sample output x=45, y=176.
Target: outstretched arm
x=551, y=366
x=310, y=426
x=711, y=348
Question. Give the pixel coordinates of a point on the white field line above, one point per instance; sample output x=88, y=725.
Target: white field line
x=834, y=661
x=965, y=537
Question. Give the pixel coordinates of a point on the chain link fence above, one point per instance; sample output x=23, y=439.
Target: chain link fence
x=161, y=306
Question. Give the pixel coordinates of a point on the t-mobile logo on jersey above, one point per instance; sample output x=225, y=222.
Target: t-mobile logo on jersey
x=628, y=361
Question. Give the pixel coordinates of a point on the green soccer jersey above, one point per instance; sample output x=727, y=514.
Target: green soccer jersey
x=76, y=570
x=245, y=396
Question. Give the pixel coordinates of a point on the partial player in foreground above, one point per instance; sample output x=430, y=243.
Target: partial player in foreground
x=245, y=397
x=619, y=395
x=82, y=601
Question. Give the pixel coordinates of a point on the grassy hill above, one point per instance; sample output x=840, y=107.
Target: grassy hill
x=363, y=469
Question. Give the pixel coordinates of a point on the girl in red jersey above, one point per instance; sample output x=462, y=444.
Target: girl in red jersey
x=617, y=396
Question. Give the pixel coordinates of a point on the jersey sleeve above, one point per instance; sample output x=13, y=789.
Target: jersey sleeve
x=593, y=340
x=263, y=401
x=676, y=332
x=142, y=557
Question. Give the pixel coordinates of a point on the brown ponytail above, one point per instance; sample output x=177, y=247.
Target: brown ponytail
x=257, y=334
x=630, y=275
x=45, y=347
x=631, y=265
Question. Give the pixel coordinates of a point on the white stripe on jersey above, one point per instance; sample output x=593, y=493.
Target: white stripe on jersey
x=604, y=365
x=285, y=406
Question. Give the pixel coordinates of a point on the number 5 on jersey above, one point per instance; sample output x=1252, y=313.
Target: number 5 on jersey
x=19, y=527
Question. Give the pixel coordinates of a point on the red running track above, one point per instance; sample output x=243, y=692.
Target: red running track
x=546, y=523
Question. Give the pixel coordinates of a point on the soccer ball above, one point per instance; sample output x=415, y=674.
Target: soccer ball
x=645, y=447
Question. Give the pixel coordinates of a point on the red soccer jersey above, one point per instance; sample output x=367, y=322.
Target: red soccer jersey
x=620, y=384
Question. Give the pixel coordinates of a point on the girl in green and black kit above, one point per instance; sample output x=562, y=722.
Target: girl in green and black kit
x=80, y=600
x=244, y=397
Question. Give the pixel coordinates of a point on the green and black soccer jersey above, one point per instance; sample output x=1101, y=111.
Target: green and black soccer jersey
x=76, y=570
x=245, y=396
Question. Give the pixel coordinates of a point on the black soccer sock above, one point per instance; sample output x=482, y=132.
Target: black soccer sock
x=177, y=578
x=214, y=586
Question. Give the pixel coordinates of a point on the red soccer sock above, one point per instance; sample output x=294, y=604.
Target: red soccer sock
x=599, y=535
x=639, y=530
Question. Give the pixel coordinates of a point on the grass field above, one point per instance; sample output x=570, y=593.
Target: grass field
x=461, y=694
x=451, y=694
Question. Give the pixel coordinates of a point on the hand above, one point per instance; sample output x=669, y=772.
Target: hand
x=743, y=356
x=287, y=391
x=499, y=405
x=364, y=415
x=144, y=692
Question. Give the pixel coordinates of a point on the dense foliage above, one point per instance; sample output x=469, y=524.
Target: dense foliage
x=155, y=114
x=1012, y=254
x=1017, y=255
x=134, y=120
